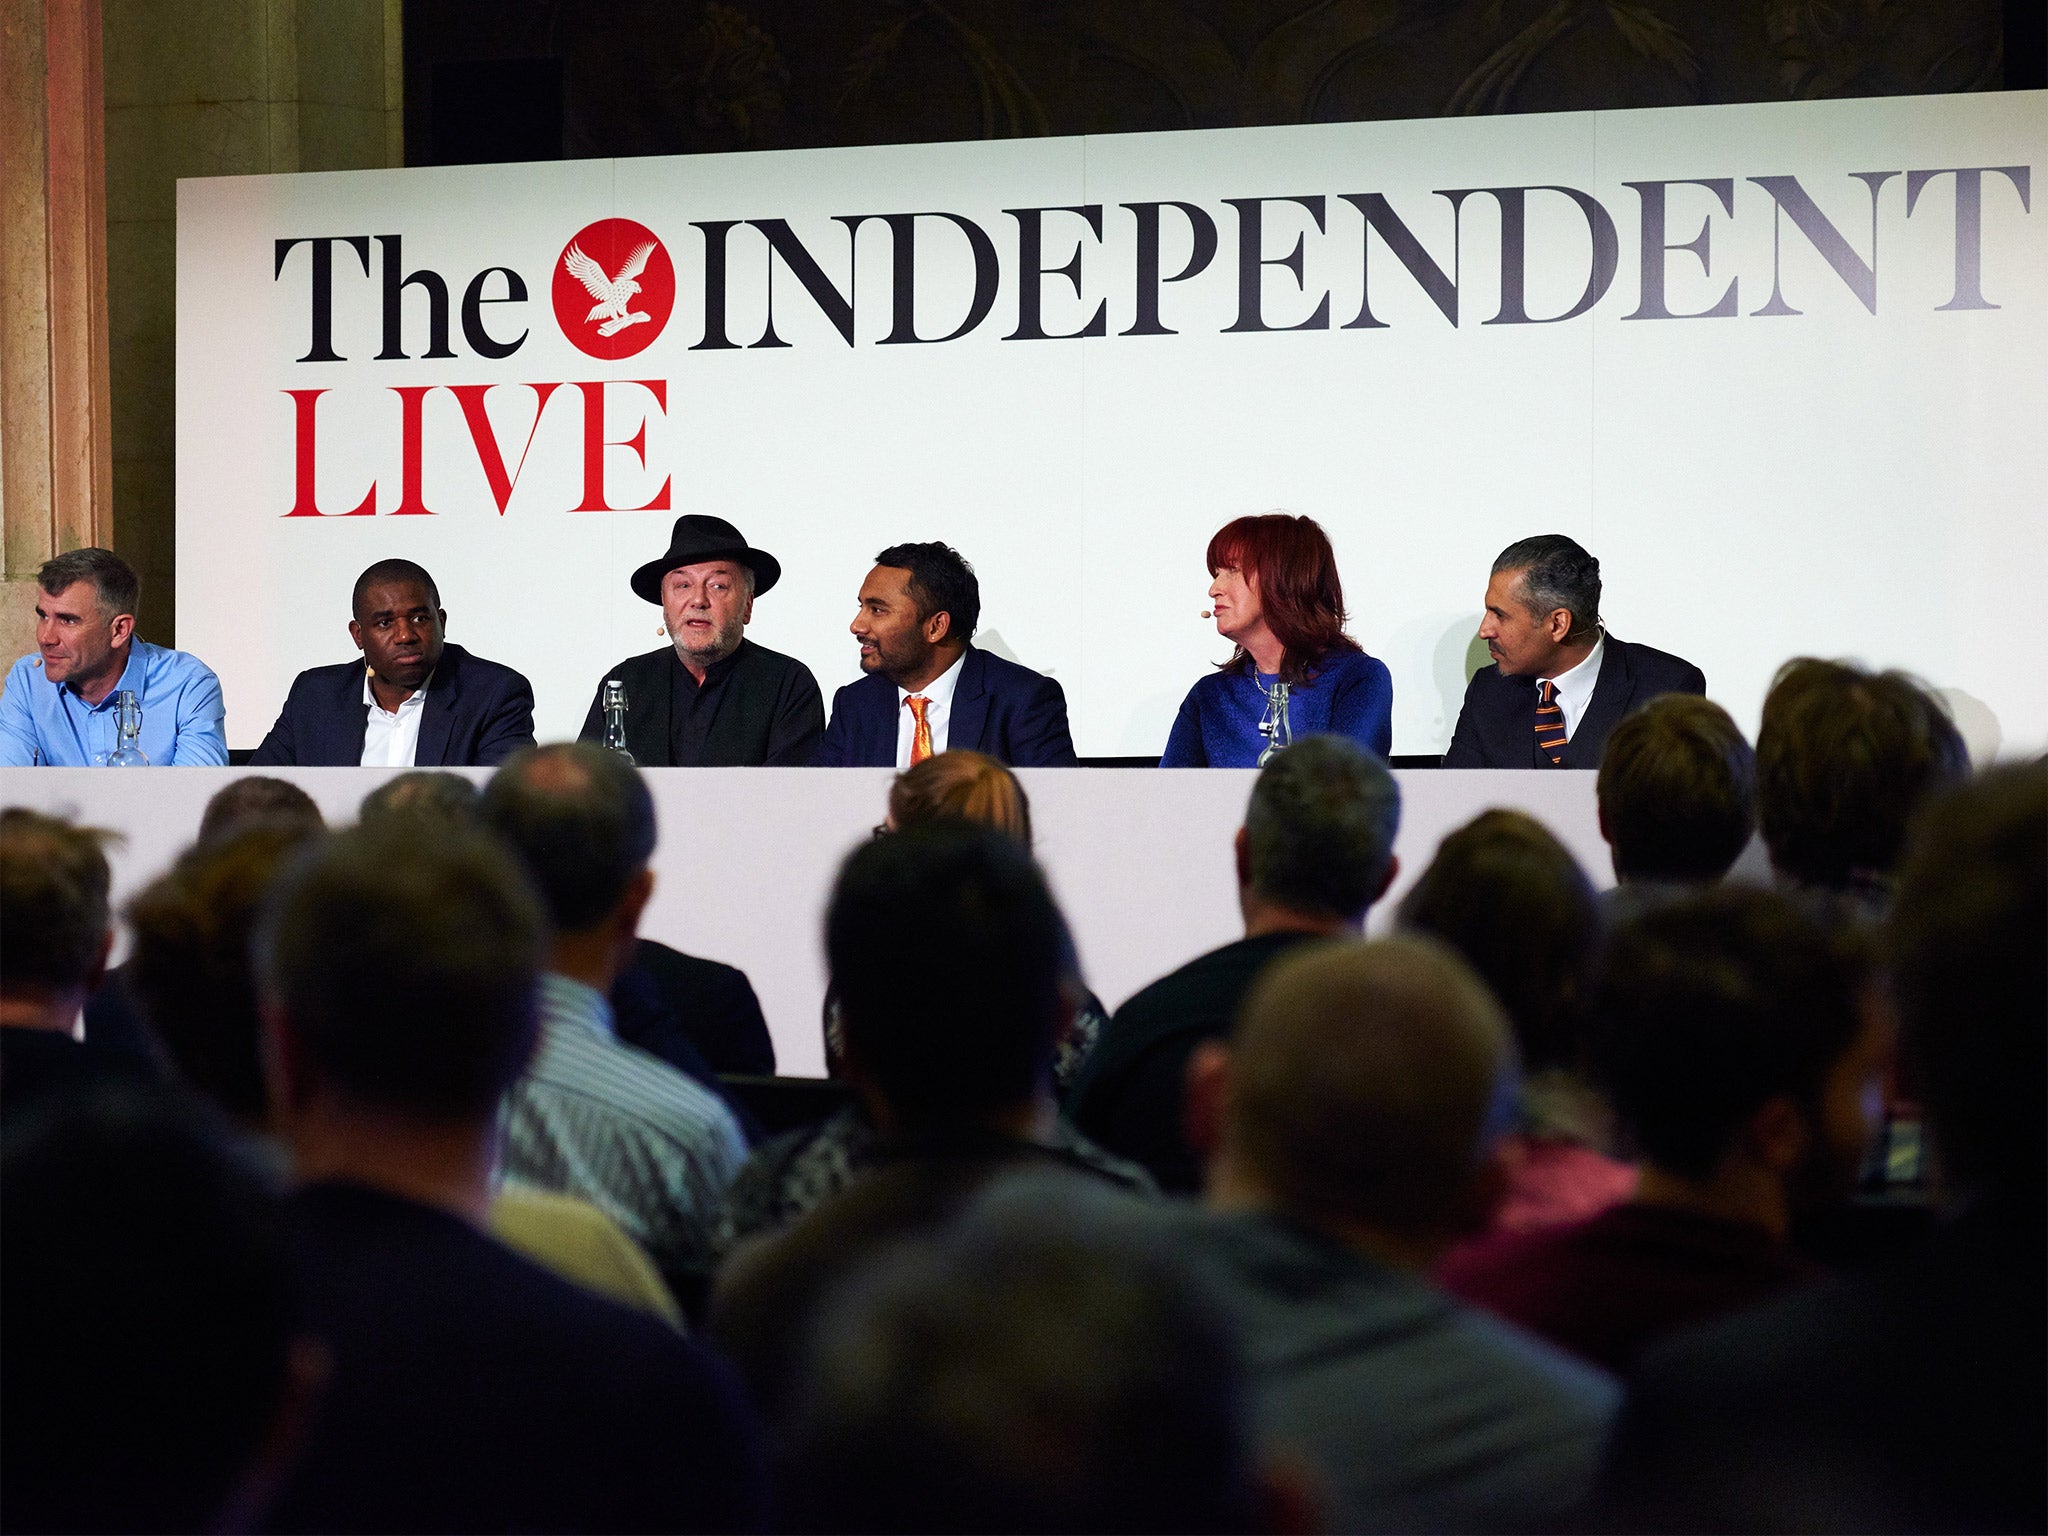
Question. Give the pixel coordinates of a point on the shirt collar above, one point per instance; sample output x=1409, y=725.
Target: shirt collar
x=940, y=689
x=564, y=997
x=411, y=701
x=132, y=677
x=716, y=672
x=1575, y=687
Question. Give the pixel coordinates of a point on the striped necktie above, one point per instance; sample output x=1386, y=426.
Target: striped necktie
x=921, y=738
x=1549, y=723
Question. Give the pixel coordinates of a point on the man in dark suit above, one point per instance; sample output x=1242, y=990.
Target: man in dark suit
x=413, y=701
x=927, y=688
x=1559, y=682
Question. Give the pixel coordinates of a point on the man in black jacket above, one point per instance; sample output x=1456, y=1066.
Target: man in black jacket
x=712, y=698
x=411, y=701
x=1559, y=682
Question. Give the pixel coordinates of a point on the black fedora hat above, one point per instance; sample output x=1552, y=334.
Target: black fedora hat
x=698, y=537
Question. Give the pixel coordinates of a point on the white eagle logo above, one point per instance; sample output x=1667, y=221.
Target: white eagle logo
x=614, y=295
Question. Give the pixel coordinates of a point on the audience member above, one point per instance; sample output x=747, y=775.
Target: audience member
x=593, y=1116
x=257, y=797
x=192, y=974
x=1510, y=898
x=1315, y=851
x=53, y=911
x=472, y=1390
x=148, y=1310
x=968, y=786
x=956, y=1066
x=1733, y=1036
x=434, y=794
x=1911, y=1398
x=1843, y=758
x=1357, y=1109
x=999, y=1378
x=191, y=971
x=1677, y=792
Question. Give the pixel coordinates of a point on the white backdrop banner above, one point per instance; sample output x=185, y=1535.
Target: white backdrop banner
x=1780, y=367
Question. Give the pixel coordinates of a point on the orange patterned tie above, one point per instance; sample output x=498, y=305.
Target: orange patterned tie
x=921, y=741
x=1549, y=722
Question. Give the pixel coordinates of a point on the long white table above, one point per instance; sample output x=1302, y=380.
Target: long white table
x=1140, y=858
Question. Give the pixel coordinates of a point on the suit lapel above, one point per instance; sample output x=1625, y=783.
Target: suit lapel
x=970, y=705
x=347, y=726
x=647, y=730
x=437, y=715
x=877, y=746
x=1610, y=701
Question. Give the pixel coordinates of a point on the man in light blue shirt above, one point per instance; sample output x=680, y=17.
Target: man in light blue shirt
x=58, y=708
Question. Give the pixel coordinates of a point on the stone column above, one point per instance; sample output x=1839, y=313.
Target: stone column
x=214, y=88
x=55, y=440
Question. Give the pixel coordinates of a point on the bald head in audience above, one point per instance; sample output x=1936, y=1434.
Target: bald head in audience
x=1366, y=1086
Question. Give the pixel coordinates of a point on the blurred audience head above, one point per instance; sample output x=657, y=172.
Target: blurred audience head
x=582, y=822
x=258, y=797
x=152, y=1379
x=399, y=974
x=999, y=1379
x=948, y=957
x=1363, y=1093
x=431, y=794
x=960, y=786
x=1968, y=946
x=1509, y=897
x=1318, y=835
x=191, y=967
x=1843, y=758
x=1677, y=789
x=53, y=910
x=1731, y=1034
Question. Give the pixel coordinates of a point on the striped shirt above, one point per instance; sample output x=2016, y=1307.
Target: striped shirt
x=599, y=1119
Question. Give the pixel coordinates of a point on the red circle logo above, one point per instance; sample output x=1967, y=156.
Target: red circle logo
x=614, y=288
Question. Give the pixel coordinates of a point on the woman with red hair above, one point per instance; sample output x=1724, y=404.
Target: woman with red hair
x=1276, y=594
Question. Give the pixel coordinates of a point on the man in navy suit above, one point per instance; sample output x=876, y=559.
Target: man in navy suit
x=412, y=701
x=1559, y=682
x=927, y=687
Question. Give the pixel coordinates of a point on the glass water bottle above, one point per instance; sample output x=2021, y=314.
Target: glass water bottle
x=127, y=751
x=615, y=718
x=1274, y=724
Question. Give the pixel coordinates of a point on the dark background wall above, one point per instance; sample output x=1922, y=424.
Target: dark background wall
x=539, y=79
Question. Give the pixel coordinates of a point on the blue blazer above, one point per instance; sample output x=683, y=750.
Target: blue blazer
x=1497, y=726
x=1012, y=713
x=477, y=714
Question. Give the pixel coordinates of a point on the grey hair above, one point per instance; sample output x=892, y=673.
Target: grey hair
x=1319, y=832
x=113, y=579
x=1556, y=573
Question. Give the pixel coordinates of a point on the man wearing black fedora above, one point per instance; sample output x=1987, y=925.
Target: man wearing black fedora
x=711, y=698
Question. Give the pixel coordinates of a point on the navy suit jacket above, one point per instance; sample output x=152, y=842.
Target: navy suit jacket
x=1497, y=726
x=1012, y=713
x=477, y=714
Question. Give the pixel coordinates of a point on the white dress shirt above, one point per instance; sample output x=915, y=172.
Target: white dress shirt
x=391, y=738
x=1575, y=688
x=938, y=713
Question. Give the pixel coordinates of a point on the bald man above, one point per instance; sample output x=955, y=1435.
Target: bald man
x=1350, y=1127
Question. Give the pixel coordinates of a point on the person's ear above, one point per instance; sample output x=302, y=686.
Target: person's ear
x=1559, y=625
x=639, y=891
x=747, y=611
x=441, y=618
x=121, y=629
x=1778, y=1134
x=1240, y=849
x=937, y=627
x=1387, y=882
x=355, y=633
x=1205, y=1095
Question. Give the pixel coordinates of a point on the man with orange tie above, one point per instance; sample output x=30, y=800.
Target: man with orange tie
x=1559, y=683
x=927, y=687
